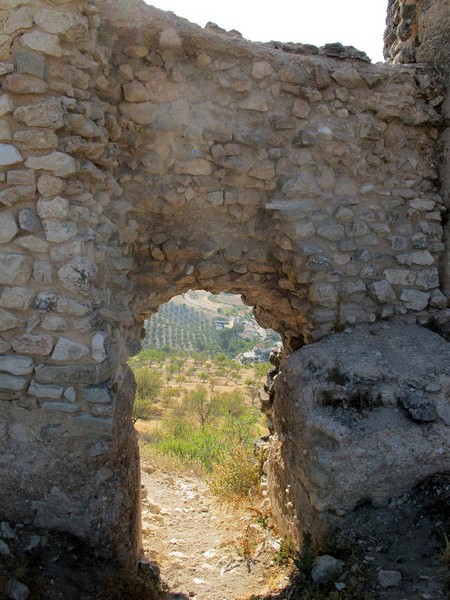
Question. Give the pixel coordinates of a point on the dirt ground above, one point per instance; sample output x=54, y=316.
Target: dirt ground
x=205, y=549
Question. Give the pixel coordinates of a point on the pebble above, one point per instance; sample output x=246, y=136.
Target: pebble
x=4, y=549
x=389, y=578
x=17, y=590
x=326, y=568
x=6, y=531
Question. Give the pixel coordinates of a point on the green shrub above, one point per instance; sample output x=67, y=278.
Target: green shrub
x=143, y=408
x=201, y=445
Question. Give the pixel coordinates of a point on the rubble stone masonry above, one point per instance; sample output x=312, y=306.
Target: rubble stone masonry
x=142, y=156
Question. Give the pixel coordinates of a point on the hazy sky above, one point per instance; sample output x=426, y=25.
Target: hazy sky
x=358, y=23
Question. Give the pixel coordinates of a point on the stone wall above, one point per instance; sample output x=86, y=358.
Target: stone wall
x=418, y=31
x=142, y=156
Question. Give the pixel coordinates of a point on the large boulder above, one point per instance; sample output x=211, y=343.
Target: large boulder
x=361, y=416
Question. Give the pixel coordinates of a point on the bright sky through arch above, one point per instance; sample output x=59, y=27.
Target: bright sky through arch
x=358, y=23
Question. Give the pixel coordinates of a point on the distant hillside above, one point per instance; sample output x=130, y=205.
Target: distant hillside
x=181, y=325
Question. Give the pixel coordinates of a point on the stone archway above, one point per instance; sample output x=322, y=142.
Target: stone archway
x=143, y=156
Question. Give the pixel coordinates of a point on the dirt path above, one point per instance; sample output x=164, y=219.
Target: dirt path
x=206, y=550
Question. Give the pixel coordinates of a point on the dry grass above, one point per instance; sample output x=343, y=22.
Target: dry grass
x=235, y=475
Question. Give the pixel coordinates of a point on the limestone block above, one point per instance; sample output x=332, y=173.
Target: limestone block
x=67, y=251
x=58, y=208
x=59, y=163
x=36, y=139
x=80, y=374
x=143, y=113
x=414, y=299
x=324, y=294
x=331, y=231
x=344, y=214
x=438, y=300
x=357, y=229
x=263, y=170
x=9, y=155
x=303, y=185
x=216, y=198
x=400, y=277
x=370, y=131
x=58, y=231
x=15, y=269
x=303, y=230
x=56, y=21
x=5, y=131
x=23, y=177
x=16, y=297
x=68, y=349
x=427, y=279
x=135, y=92
x=19, y=19
x=261, y=69
x=48, y=185
x=8, y=226
x=42, y=42
x=126, y=71
x=67, y=407
x=24, y=84
x=46, y=301
x=18, y=193
x=16, y=365
x=82, y=126
x=254, y=102
x=195, y=166
x=293, y=74
x=382, y=292
x=304, y=139
x=4, y=346
x=8, y=320
x=96, y=423
x=100, y=344
x=45, y=391
x=73, y=307
x=204, y=60
x=78, y=274
x=28, y=220
x=422, y=204
x=318, y=262
x=347, y=77
x=421, y=258
x=42, y=271
x=6, y=68
x=32, y=243
x=301, y=109
x=12, y=383
x=96, y=395
x=54, y=323
x=49, y=113
x=345, y=187
x=6, y=105
x=31, y=63
x=28, y=343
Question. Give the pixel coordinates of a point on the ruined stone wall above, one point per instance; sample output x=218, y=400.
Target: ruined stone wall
x=142, y=156
x=418, y=31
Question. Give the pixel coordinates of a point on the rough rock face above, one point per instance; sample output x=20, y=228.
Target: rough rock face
x=361, y=416
x=142, y=156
